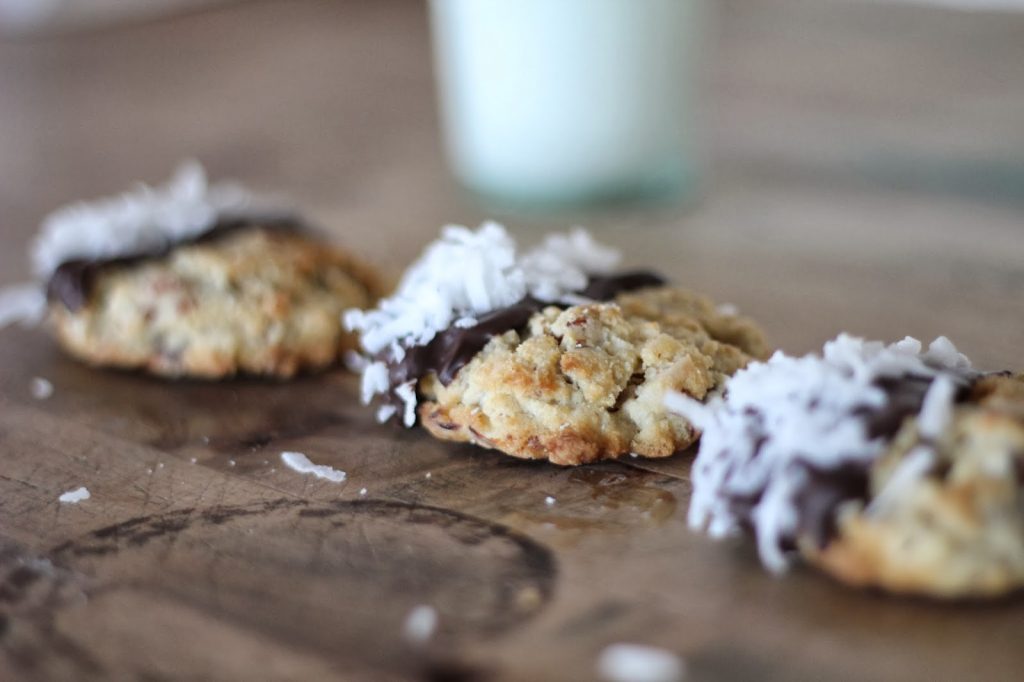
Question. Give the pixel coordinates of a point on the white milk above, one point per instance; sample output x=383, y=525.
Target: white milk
x=568, y=100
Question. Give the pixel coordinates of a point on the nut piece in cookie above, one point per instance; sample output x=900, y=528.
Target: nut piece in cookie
x=541, y=370
x=885, y=466
x=197, y=280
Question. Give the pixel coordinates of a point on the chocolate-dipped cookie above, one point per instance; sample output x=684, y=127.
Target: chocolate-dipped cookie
x=197, y=280
x=885, y=466
x=549, y=354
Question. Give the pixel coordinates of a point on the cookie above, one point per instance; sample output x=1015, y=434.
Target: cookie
x=584, y=383
x=1001, y=393
x=884, y=466
x=736, y=339
x=196, y=279
x=954, y=530
x=543, y=367
x=256, y=301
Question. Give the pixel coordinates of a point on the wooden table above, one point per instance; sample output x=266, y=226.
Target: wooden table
x=867, y=175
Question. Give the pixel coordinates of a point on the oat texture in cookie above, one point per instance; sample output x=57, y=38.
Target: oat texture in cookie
x=547, y=355
x=884, y=465
x=254, y=300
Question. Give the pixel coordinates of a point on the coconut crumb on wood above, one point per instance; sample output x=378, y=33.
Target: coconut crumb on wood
x=639, y=663
x=420, y=624
x=40, y=388
x=75, y=496
x=296, y=461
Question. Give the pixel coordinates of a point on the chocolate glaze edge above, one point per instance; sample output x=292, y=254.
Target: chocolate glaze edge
x=819, y=500
x=73, y=281
x=452, y=349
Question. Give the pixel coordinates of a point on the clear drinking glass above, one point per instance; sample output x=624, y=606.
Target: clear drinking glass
x=569, y=101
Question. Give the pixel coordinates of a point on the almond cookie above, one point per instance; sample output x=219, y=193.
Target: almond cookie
x=546, y=355
x=197, y=280
x=884, y=466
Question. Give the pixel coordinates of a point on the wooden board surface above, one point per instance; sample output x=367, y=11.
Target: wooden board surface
x=867, y=175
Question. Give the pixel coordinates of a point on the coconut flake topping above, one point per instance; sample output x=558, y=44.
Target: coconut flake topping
x=146, y=220
x=461, y=276
x=781, y=419
x=22, y=303
x=141, y=221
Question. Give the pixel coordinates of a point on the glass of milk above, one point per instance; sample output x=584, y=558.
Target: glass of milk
x=569, y=101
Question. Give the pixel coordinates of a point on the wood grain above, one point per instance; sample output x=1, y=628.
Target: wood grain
x=866, y=174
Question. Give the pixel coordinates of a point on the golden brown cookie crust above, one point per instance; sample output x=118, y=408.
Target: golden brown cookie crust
x=1002, y=393
x=254, y=301
x=587, y=383
x=689, y=315
x=957, y=532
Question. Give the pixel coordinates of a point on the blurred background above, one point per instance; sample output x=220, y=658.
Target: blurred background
x=823, y=164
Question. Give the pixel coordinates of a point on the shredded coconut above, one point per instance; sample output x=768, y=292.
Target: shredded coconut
x=639, y=663
x=550, y=501
x=40, y=388
x=464, y=274
x=938, y=407
x=143, y=220
x=420, y=624
x=781, y=417
x=22, y=303
x=563, y=263
x=407, y=392
x=300, y=463
x=75, y=496
x=354, y=362
x=915, y=465
x=374, y=381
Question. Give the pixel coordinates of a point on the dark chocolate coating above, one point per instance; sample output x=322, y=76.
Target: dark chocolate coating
x=450, y=350
x=818, y=501
x=904, y=395
x=72, y=282
x=607, y=287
